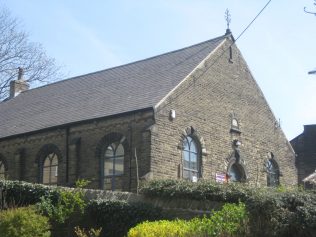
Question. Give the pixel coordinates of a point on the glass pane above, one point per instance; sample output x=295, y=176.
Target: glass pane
x=186, y=174
x=273, y=174
x=2, y=170
x=46, y=175
x=53, y=174
x=193, y=147
x=193, y=161
x=108, y=166
x=118, y=184
x=119, y=165
x=47, y=162
x=109, y=151
x=234, y=172
x=107, y=184
x=119, y=150
x=186, y=143
x=186, y=159
x=54, y=160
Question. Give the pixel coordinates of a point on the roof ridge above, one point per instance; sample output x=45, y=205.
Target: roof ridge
x=127, y=64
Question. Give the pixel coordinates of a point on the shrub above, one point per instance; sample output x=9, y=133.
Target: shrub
x=162, y=228
x=18, y=193
x=23, y=222
x=68, y=204
x=282, y=212
x=117, y=217
x=81, y=232
x=202, y=190
x=230, y=221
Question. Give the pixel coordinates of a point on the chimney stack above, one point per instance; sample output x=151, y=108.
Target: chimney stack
x=19, y=85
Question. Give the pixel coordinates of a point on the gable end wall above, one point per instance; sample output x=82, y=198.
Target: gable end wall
x=206, y=102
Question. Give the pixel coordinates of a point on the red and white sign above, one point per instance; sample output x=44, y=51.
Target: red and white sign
x=220, y=178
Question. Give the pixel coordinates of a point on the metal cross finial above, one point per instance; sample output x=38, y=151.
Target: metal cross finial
x=227, y=18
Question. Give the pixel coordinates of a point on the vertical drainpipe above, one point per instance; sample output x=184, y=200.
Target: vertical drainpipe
x=67, y=156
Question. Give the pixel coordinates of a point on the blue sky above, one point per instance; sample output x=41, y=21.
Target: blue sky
x=87, y=36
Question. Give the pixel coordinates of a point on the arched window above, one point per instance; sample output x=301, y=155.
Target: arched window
x=236, y=173
x=2, y=170
x=50, y=169
x=48, y=159
x=272, y=173
x=191, y=164
x=113, y=165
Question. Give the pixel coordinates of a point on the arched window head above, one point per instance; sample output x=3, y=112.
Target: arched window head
x=50, y=169
x=236, y=173
x=191, y=164
x=2, y=170
x=273, y=173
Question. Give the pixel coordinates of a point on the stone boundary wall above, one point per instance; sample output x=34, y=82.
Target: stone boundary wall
x=171, y=208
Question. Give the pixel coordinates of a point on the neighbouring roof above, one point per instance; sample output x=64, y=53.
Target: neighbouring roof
x=117, y=90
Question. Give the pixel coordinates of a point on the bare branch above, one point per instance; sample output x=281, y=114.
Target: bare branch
x=17, y=51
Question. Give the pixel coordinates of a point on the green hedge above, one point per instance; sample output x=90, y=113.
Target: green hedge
x=18, y=193
x=202, y=190
x=284, y=214
x=272, y=211
x=117, y=217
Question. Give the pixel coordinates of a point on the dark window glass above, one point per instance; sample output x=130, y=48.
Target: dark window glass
x=272, y=174
x=113, y=166
x=236, y=173
x=190, y=159
x=2, y=170
x=50, y=169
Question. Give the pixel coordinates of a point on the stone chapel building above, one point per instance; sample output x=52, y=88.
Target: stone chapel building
x=194, y=113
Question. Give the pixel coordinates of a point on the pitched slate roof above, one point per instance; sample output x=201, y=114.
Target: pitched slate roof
x=130, y=87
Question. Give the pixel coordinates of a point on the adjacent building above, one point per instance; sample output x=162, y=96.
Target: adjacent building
x=305, y=149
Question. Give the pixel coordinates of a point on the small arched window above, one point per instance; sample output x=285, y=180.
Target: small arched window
x=273, y=174
x=236, y=173
x=2, y=170
x=191, y=170
x=50, y=169
x=235, y=123
x=113, y=165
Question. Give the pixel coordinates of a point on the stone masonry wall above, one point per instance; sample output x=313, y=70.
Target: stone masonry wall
x=205, y=103
x=21, y=154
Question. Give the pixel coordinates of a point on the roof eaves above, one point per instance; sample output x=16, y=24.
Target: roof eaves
x=74, y=123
